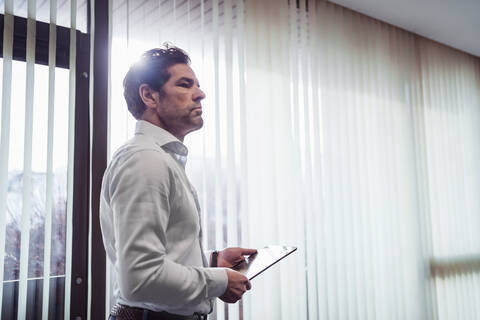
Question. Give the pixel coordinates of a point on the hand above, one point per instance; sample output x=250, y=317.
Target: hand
x=237, y=285
x=231, y=257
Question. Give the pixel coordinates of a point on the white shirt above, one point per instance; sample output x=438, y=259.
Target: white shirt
x=149, y=215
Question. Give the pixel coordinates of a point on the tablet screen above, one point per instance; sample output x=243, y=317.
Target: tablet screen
x=262, y=260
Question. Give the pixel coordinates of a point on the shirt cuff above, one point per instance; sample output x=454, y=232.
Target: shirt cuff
x=208, y=255
x=217, y=281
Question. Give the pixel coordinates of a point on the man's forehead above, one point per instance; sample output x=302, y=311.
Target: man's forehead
x=181, y=70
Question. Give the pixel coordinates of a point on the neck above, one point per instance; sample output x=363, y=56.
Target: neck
x=155, y=120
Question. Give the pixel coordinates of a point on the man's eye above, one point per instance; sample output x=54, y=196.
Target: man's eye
x=185, y=85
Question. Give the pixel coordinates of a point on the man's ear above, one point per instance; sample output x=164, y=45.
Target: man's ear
x=148, y=95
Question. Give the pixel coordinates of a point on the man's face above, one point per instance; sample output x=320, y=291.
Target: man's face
x=178, y=107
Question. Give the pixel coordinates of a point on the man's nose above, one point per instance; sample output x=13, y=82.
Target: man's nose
x=199, y=95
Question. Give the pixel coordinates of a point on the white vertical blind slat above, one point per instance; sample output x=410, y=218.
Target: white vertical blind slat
x=275, y=110
x=243, y=238
x=49, y=187
x=340, y=173
x=307, y=183
x=363, y=175
x=330, y=286
x=218, y=189
x=437, y=301
x=356, y=294
x=371, y=240
x=317, y=161
x=231, y=178
x=205, y=212
x=389, y=181
x=294, y=78
x=412, y=96
x=5, y=130
x=231, y=167
x=335, y=248
x=71, y=144
x=27, y=162
x=243, y=205
x=218, y=182
x=365, y=295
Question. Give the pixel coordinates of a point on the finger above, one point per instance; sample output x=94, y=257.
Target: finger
x=239, y=265
x=249, y=285
x=239, y=293
x=240, y=259
x=247, y=252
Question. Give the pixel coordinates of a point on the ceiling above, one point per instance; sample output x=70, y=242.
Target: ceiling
x=455, y=23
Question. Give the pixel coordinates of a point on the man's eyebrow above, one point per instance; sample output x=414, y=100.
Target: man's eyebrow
x=189, y=80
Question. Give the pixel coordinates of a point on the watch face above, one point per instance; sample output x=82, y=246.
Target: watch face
x=263, y=259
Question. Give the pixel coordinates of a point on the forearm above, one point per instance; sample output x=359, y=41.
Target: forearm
x=163, y=282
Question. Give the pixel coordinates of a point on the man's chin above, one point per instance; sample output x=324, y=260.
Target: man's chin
x=196, y=124
x=199, y=122
x=200, y=125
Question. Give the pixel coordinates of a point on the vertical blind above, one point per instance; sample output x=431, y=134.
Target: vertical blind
x=325, y=129
x=36, y=162
x=451, y=99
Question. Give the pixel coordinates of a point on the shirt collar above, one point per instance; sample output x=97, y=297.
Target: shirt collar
x=162, y=137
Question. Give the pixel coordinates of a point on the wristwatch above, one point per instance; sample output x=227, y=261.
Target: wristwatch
x=214, y=259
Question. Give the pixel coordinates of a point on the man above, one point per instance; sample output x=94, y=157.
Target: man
x=149, y=211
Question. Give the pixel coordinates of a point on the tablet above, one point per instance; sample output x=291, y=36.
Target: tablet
x=262, y=260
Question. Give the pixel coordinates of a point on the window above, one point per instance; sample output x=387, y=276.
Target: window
x=44, y=126
x=39, y=204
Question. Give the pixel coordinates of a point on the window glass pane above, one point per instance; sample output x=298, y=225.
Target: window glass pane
x=39, y=190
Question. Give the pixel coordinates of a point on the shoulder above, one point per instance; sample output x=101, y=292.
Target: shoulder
x=140, y=159
x=139, y=150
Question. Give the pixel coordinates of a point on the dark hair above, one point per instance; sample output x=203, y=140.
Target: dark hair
x=151, y=69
